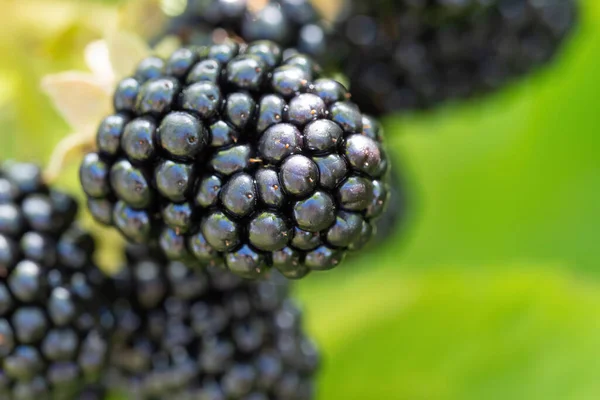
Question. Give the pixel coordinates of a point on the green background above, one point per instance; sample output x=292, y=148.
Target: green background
x=491, y=289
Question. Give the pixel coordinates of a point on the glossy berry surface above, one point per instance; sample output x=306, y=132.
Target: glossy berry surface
x=289, y=23
x=407, y=54
x=54, y=320
x=207, y=334
x=254, y=152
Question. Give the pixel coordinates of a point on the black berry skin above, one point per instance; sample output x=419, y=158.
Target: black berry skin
x=235, y=155
x=290, y=23
x=405, y=54
x=54, y=318
x=206, y=334
x=182, y=136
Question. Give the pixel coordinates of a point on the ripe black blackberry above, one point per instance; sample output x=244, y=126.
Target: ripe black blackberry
x=409, y=54
x=53, y=321
x=289, y=23
x=207, y=334
x=232, y=154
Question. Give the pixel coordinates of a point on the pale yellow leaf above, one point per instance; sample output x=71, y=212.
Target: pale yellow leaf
x=70, y=148
x=167, y=46
x=256, y=5
x=97, y=58
x=331, y=9
x=81, y=99
x=126, y=50
x=142, y=16
x=173, y=8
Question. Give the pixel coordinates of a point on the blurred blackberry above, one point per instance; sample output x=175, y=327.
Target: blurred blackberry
x=53, y=321
x=414, y=54
x=207, y=334
x=289, y=23
x=232, y=154
x=94, y=392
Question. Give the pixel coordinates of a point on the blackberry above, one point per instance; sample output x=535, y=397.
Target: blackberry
x=53, y=319
x=207, y=334
x=407, y=54
x=290, y=23
x=238, y=155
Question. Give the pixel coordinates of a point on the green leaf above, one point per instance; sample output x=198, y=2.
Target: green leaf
x=519, y=332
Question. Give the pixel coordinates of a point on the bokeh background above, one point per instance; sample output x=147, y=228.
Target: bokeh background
x=491, y=288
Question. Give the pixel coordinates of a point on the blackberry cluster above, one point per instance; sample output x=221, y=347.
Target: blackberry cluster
x=289, y=23
x=53, y=321
x=414, y=54
x=234, y=154
x=207, y=334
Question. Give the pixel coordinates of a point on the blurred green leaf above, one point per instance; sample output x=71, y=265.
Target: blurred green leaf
x=517, y=332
